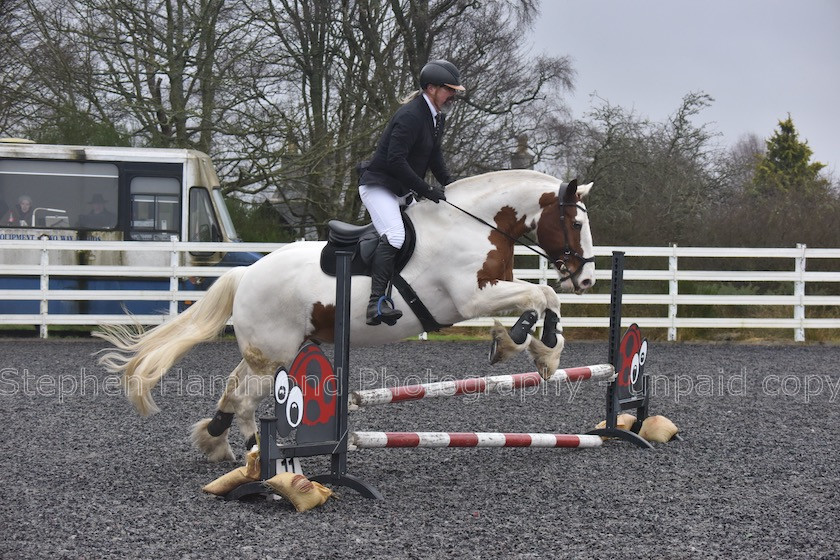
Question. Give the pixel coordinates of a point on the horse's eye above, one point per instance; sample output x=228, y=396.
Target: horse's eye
x=578, y=226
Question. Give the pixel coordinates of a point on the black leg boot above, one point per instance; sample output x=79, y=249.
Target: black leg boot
x=380, y=309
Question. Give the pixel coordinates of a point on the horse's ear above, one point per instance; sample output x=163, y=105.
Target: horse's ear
x=583, y=190
x=570, y=194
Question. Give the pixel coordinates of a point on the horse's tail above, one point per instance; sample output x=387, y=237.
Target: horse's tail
x=144, y=357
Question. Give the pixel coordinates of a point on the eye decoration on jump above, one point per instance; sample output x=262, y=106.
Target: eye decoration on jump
x=290, y=398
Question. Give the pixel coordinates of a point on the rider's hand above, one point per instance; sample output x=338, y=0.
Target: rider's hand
x=436, y=194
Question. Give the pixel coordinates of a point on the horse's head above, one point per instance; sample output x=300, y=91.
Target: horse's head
x=515, y=204
x=563, y=233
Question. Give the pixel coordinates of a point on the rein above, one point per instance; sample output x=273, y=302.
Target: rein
x=567, y=251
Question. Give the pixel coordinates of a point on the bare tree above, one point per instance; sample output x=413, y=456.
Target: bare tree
x=287, y=96
x=737, y=167
x=340, y=74
x=656, y=181
x=325, y=84
x=15, y=81
x=165, y=71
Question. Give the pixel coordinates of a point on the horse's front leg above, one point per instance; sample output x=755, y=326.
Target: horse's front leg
x=547, y=349
x=532, y=301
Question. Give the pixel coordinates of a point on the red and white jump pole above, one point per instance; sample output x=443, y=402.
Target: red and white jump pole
x=374, y=440
x=370, y=397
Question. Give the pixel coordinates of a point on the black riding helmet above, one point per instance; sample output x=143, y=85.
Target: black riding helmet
x=441, y=73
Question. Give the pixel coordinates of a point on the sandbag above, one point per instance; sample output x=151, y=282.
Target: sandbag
x=237, y=477
x=623, y=421
x=658, y=428
x=299, y=490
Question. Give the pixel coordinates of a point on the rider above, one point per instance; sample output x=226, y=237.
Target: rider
x=409, y=147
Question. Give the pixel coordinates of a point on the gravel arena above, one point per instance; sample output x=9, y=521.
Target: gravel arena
x=755, y=477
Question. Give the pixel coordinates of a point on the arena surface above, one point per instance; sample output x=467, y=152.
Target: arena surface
x=756, y=477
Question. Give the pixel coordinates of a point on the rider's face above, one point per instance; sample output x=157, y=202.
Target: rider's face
x=442, y=97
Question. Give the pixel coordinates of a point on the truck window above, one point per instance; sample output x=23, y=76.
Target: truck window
x=227, y=222
x=203, y=223
x=155, y=208
x=56, y=194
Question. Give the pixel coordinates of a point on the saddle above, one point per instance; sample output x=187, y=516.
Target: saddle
x=363, y=240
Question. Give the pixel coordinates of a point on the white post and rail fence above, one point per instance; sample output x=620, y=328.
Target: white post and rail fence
x=741, y=288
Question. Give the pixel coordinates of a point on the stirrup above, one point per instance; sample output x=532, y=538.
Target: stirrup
x=393, y=318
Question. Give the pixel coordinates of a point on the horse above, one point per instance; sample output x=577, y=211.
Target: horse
x=461, y=268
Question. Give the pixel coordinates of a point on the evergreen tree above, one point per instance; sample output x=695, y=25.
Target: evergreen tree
x=786, y=167
x=71, y=125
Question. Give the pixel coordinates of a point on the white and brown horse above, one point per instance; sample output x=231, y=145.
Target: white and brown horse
x=461, y=268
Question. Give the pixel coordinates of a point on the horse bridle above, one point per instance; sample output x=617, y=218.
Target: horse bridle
x=567, y=254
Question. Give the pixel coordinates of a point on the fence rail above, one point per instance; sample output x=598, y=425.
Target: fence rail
x=790, y=285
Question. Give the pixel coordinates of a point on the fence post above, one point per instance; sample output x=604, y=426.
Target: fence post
x=45, y=287
x=673, y=288
x=543, y=264
x=799, y=293
x=173, y=278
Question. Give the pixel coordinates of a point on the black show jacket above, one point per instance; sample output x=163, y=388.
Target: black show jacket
x=406, y=151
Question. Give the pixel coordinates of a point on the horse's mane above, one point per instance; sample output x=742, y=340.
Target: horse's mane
x=487, y=183
x=484, y=194
x=505, y=175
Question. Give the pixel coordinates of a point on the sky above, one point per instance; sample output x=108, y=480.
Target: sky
x=758, y=59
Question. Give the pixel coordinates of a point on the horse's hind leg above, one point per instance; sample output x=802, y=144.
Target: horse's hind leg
x=210, y=435
x=245, y=399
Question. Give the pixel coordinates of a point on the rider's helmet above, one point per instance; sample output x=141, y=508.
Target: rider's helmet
x=441, y=73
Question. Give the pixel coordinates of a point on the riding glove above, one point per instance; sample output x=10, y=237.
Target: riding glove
x=435, y=194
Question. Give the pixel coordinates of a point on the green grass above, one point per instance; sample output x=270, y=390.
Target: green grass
x=457, y=334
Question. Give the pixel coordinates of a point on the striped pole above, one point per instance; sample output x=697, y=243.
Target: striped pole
x=375, y=440
x=370, y=397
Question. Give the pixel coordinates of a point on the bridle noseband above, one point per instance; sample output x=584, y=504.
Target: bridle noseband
x=567, y=254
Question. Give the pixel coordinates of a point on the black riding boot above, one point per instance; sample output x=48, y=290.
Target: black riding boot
x=380, y=309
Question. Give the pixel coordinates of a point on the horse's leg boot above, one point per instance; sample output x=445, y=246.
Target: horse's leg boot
x=549, y=334
x=520, y=330
x=380, y=307
x=504, y=344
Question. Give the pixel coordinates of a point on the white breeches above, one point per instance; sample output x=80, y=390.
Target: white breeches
x=384, y=209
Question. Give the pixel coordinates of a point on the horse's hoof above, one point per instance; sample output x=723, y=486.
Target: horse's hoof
x=215, y=448
x=547, y=360
x=498, y=336
x=494, y=356
x=545, y=371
